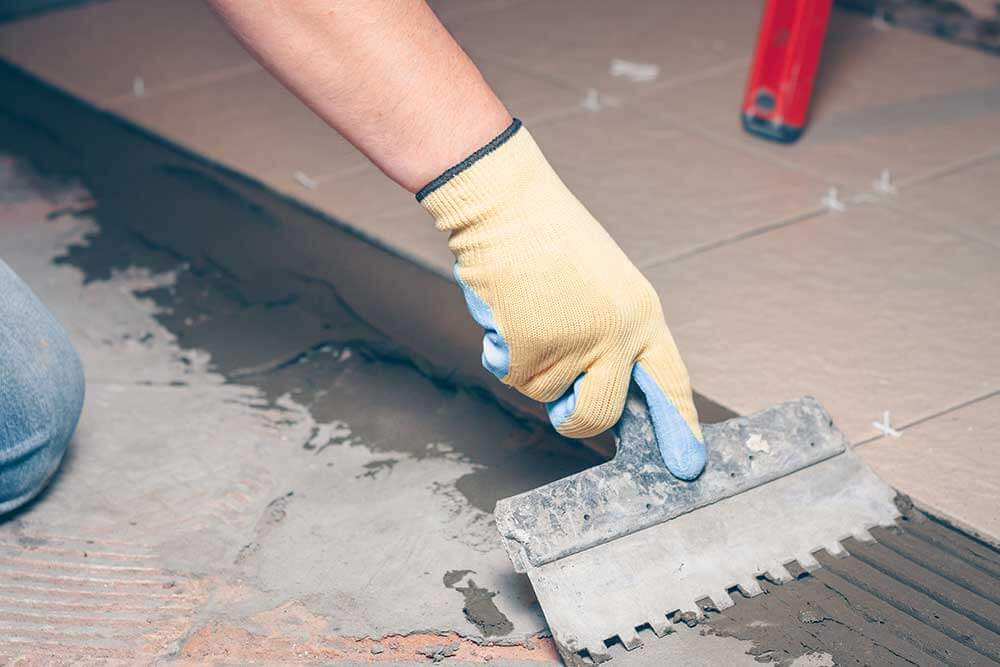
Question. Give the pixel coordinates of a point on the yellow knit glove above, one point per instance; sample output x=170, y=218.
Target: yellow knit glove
x=568, y=318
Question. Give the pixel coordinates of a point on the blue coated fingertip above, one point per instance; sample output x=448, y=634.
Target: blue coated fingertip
x=683, y=453
x=496, y=353
x=496, y=358
x=560, y=409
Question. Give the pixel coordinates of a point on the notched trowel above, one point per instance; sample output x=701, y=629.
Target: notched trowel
x=626, y=545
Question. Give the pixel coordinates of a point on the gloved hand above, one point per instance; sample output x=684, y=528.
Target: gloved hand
x=568, y=318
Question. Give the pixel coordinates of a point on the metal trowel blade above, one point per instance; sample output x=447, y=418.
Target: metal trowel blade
x=625, y=545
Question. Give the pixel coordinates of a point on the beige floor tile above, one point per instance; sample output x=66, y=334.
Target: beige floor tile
x=351, y=195
x=868, y=310
x=662, y=192
x=97, y=49
x=575, y=41
x=961, y=198
x=528, y=95
x=884, y=99
x=368, y=202
x=451, y=10
x=949, y=464
x=415, y=237
x=347, y=187
x=249, y=122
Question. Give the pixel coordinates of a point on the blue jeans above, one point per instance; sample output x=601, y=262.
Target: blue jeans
x=41, y=392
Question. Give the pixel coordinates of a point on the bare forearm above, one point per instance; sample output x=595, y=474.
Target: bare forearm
x=385, y=74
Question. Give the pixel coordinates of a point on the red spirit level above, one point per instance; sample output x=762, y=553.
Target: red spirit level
x=784, y=65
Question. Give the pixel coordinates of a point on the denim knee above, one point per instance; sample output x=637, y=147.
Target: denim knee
x=41, y=392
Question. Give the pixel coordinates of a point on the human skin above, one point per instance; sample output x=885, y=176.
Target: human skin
x=385, y=74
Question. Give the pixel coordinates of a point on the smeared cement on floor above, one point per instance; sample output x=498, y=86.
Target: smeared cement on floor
x=267, y=497
x=479, y=606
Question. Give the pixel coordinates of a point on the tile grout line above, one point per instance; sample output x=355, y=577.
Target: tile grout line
x=544, y=118
x=699, y=75
x=633, y=102
x=862, y=198
x=926, y=214
x=935, y=415
x=714, y=137
x=810, y=214
x=954, y=167
x=759, y=153
x=626, y=101
x=353, y=169
x=476, y=13
x=520, y=67
x=127, y=100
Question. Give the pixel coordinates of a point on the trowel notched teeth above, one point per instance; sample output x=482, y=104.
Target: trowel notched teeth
x=750, y=588
x=629, y=638
x=695, y=611
x=659, y=624
x=862, y=535
x=690, y=614
x=597, y=654
x=835, y=549
x=807, y=562
x=778, y=574
x=721, y=600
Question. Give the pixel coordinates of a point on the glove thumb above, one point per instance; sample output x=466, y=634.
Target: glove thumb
x=663, y=379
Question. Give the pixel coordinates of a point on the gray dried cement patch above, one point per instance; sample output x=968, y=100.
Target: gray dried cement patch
x=273, y=483
x=479, y=606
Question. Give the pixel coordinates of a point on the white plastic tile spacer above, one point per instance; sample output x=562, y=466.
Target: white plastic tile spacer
x=884, y=183
x=634, y=72
x=832, y=200
x=591, y=101
x=885, y=426
x=878, y=20
x=303, y=179
x=594, y=101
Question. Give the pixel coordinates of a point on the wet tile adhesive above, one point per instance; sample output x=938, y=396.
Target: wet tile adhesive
x=267, y=471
